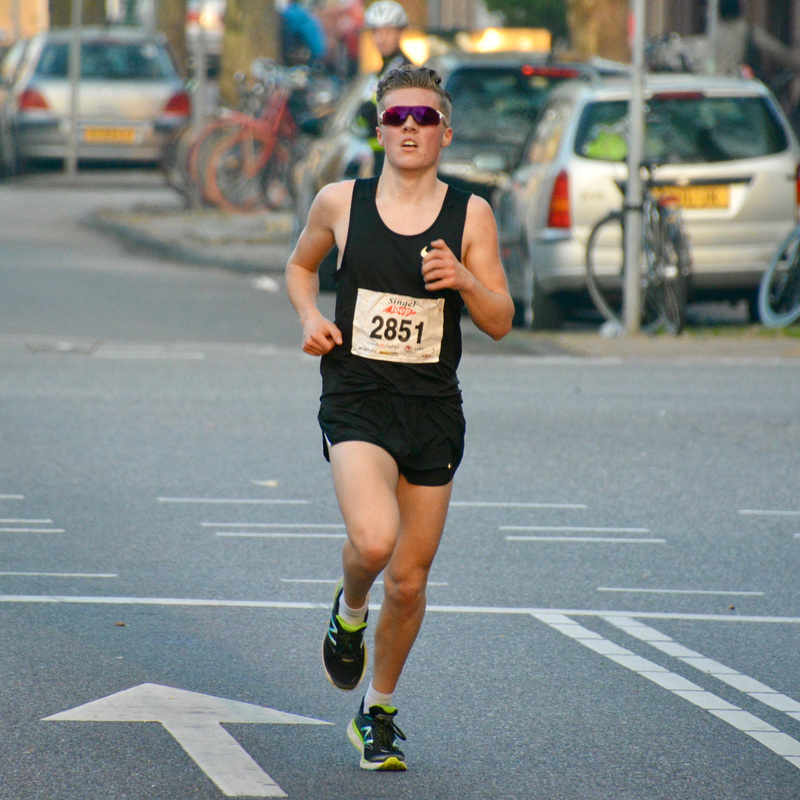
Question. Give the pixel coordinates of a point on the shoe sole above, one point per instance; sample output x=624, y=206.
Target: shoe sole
x=328, y=675
x=391, y=764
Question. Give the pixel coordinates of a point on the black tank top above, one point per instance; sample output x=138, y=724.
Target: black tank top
x=387, y=267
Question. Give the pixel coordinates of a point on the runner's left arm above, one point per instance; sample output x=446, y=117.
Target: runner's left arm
x=479, y=277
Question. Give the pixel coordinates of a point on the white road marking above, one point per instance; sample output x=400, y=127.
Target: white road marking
x=571, y=529
x=600, y=539
x=233, y=501
x=681, y=591
x=32, y=530
x=751, y=687
x=148, y=352
x=334, y=581
x=439, y=609
x=278, y=535
x=491, y=504
x=266, y=284
x=775, y=740
x=195, y=721
x=271, y=525
x=26, y=522
x=768, y=512
x=59, y=574
x=12, y=496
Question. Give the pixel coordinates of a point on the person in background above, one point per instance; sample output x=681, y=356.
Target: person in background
x=386, y=20
x=302, y=35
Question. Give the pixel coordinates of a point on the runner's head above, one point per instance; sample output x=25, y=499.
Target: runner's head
x=412, y=77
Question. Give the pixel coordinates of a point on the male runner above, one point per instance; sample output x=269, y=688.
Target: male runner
x=413, y=251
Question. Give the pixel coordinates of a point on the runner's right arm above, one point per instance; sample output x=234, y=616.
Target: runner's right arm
x=320, y=335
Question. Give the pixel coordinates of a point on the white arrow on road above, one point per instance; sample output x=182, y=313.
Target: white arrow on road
x=195, y=720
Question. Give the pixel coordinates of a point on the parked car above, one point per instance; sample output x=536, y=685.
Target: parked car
x=496, y=98
x=721, y=145
x=130, y=97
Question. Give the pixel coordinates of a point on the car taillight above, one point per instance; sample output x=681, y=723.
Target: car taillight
x=179, y=105
x=559, y=216
x=31, y=100
x=797, y=185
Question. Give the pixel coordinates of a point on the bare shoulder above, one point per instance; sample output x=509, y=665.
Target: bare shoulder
x=480, y=225
x=334, y=198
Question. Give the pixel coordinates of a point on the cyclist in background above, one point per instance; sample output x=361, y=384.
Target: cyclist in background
x=386, y=20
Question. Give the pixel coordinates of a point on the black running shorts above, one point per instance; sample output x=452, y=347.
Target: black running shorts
x=424, y=435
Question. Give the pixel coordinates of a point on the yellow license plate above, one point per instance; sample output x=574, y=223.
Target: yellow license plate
x=697, y=196
x=109, y=135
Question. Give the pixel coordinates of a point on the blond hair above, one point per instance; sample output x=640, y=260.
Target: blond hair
x=410, y=76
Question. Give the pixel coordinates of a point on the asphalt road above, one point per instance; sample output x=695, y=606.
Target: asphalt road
x=614, y=613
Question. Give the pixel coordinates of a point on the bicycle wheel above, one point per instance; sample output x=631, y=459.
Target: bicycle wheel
x=173, y=161
x=604, y=261
x=666, y=282
x=247, y=171
x=779, y=289
x=203, y=146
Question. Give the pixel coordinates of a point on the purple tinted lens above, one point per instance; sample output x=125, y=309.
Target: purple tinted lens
x=423, y=115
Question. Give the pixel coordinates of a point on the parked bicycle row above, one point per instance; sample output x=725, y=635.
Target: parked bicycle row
x=241, y=159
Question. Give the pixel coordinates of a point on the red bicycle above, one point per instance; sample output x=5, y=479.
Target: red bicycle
x=249, y=168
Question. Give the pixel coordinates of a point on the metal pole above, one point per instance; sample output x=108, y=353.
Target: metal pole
x=74, y=80
x=712, y=17
x=200, y=67
x=633, y=192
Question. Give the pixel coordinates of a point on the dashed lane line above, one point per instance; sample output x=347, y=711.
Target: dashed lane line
x=584, y=539
x=743, y=683
x=680, y=591
x=768, y=735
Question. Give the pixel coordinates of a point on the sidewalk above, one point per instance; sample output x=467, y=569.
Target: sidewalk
x=261, y=242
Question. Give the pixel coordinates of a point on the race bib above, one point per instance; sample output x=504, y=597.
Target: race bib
x=393, y=327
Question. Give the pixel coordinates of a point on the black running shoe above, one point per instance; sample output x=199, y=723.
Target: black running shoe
x=344, y=654
x=375, y=736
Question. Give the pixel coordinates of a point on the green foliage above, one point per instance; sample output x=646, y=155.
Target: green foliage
x=550, y=14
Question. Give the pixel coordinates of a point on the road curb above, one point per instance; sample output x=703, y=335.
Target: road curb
x=175, y=236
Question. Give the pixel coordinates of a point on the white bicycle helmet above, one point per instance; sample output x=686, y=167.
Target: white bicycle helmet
x=386, y=14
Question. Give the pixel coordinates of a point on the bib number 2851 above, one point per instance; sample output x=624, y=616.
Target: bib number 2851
x=391, y=327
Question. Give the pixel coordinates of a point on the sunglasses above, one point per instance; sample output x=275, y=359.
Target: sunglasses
x=396, y=116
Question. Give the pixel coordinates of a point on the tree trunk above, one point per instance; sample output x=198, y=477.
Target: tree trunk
x=599, y=28
x=94, y=13
x=251, y=31
x=171, y=21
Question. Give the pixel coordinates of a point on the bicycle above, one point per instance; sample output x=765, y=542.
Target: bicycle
x=250, y=168
x=185, y=156
x=779, y=288
x=666, y=263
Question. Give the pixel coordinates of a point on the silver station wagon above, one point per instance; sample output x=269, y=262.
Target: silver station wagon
x=721, y=146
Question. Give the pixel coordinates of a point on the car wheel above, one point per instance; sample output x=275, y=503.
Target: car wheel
x=547, y=314
x=542, y=312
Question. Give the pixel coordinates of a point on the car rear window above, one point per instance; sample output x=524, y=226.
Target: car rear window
x=501, y=103
x=684, y=128
x=108, y=60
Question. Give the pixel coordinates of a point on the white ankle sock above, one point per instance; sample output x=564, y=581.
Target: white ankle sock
x=376, y=698
x=352, y=616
